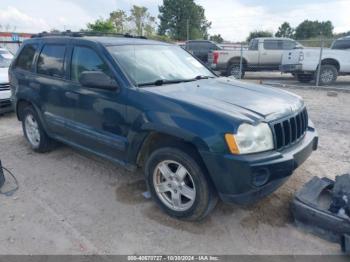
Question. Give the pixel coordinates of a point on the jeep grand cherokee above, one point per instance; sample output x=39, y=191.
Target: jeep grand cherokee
x=143, y=103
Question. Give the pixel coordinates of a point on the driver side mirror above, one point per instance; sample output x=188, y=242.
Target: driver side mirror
x=97, y=79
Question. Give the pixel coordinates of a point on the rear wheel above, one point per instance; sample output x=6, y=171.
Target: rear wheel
x=328, y=74
x=34, y=132
x=235, y=71
x=178, y=184
x=305, y=78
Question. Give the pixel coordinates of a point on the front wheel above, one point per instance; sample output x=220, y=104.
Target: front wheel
x=178, y=184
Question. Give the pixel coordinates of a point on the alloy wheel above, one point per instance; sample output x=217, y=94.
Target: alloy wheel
x=174, y=185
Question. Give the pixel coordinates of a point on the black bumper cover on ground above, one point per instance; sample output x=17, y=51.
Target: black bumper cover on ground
x=310, y=210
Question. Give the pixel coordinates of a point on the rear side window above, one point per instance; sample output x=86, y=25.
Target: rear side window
x=273, y=44
x=51, y=60
x=26, y=57
x=86, y=59
x=341, y=44
x=289, y=45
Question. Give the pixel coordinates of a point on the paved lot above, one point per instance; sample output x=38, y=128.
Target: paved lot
x=73, y=203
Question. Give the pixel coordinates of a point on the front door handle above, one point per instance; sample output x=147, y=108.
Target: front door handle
x=72, y=95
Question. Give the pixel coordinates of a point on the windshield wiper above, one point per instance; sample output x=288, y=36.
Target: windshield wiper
x=202, y=77
x=160, y=82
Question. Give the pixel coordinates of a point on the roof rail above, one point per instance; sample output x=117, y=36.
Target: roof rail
x=83, y=33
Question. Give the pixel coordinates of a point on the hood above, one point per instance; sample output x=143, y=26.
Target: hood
x=4, y=77
x=239, y=99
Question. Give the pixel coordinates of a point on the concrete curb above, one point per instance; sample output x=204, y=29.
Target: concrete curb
x=322, y=88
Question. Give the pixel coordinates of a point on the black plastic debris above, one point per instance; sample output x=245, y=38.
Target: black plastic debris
x=2, y=177
x=322, y=207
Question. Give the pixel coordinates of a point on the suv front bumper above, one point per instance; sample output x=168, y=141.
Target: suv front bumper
x=244, y=179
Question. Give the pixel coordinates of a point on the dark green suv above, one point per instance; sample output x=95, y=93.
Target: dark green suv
x=143, y=103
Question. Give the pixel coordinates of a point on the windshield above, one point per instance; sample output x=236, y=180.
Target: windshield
x=5, y=58
x=147, y=64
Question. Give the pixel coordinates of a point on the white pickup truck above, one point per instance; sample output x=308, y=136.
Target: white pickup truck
x=263, y=54
x=303, y=63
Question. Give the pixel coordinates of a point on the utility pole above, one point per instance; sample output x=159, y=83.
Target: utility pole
x=188, y=29
x=319, y=62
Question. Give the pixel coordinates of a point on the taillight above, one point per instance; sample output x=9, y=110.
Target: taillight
x=215, y=57
x=301, y=56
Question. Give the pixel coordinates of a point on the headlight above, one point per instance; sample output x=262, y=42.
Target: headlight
x=250, y=139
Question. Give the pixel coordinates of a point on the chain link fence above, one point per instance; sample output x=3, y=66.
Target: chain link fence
x=313, y=61
x=11, y=46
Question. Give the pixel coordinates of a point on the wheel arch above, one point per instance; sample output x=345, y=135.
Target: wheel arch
x=20, y=105
x=237, y=59
x=331, y=61
x=155, y=140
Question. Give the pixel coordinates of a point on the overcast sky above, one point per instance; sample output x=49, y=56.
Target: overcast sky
x=233, y=19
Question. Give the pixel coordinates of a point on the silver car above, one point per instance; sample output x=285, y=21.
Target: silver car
x=5, y=93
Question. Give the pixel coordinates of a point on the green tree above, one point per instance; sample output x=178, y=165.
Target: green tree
x=309, y=29
x=118, y=18
x=285, y=30
x=180, y=19
x=257, y=33
x=216, y=38
x=142, y=20
x=101, y=25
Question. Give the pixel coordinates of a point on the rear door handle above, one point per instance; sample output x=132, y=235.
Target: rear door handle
x=72, y=95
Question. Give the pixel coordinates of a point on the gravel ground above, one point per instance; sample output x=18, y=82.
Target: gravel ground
x=276, y=78
x=70, y=202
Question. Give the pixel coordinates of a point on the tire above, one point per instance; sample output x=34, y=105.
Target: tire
x=328, y=75
x=234, y=70
x=34, y=131
x=184, y=192
x=304, y=78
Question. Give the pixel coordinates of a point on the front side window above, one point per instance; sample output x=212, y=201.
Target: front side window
x=51, y=60
x=151, y=63
x=254, y=44
x=86, y=59
x=25, y=58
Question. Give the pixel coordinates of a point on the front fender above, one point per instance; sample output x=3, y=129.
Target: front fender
x=199, y=133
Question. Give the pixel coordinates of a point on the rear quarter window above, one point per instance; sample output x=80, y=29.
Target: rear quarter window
x=51, y=60
x=26, y=57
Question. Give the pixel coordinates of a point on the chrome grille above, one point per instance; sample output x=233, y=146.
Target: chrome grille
x=290, y=130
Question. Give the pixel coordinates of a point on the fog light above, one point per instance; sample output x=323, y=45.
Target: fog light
x=260, y=177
